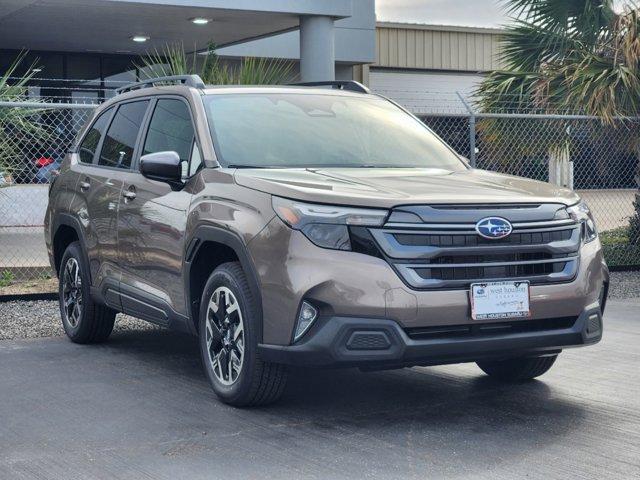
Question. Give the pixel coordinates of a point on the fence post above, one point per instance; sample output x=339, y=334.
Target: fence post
x=472, y=139
x=472, y=130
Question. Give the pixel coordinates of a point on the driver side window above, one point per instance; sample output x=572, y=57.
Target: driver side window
x=171, y=129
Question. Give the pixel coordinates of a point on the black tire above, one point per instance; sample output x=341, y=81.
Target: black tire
x=518, y=369
x=258, y=382
x=94, y=322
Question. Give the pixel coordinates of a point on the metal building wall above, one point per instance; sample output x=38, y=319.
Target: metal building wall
x=433, y=47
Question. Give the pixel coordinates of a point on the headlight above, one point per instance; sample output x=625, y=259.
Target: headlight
x=580, y=213
x=326, y=225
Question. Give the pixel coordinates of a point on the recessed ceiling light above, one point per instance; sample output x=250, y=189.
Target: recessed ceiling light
x=200, y=20
x=140, y=38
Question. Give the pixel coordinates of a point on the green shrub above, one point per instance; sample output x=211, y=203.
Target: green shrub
x=619, y=251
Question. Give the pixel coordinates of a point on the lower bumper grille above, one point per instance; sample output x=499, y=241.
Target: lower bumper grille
x=491, y=272
x=490, y=329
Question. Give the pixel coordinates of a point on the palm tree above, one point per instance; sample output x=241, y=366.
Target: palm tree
x=173, y=60
x=16, y=123
x=570, y=56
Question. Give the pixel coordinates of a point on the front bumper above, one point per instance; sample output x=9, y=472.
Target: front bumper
x=371, y=343
x=345, y=284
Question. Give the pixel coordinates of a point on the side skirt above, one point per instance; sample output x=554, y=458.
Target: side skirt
x=140, y=304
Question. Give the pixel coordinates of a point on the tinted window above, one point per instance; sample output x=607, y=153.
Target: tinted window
x=91, y=140
x=120, y=142
x=170, y=129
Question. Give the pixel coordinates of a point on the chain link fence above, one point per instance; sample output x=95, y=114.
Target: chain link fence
x=599, y=161
x=34, y=137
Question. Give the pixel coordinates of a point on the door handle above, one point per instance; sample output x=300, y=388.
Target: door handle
x=84, y=186
x=129, y=195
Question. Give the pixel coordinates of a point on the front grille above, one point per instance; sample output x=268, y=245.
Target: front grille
x=445, y=251
x=490, y=329
x=475, y=240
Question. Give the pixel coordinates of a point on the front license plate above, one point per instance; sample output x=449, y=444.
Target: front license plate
x=495, y=300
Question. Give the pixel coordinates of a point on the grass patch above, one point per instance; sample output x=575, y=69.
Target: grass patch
x=618, y=251
x=6, y=278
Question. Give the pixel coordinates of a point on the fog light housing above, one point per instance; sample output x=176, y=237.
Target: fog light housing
x=602, y=297
x=307, y=315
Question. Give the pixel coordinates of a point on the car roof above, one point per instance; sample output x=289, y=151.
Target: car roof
x=267, y=89
x=181, y=90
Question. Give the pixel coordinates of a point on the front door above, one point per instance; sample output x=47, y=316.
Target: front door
x=153, y=217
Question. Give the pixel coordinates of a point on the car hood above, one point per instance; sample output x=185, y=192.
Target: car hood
x=389, y=187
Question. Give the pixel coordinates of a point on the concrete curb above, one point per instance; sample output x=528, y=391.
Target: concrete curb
x=28, y=297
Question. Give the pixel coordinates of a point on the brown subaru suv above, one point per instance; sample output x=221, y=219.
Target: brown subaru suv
x=316, y=225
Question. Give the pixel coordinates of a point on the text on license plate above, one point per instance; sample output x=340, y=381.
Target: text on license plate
x=499, y=300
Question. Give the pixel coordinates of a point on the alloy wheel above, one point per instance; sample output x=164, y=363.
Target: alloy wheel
x=72, y=292
x=225, y=335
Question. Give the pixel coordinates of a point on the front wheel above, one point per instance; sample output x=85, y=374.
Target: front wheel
x=518, y=369
x=228, y=335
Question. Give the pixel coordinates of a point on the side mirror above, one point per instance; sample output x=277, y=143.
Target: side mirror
x=162, y=166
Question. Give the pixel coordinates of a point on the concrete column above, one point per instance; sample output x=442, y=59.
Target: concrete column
x=317, y=50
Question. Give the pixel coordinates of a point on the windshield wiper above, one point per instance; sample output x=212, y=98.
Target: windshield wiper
x=249, y=166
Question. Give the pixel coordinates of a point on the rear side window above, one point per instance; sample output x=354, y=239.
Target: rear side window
x=120, y=141
x=88, y=147
x=170, y=129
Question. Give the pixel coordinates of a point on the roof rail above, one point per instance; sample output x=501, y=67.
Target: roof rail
x=350, y=85
x=189, y=80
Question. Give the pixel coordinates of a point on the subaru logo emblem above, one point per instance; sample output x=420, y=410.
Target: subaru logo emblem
x=494, y=228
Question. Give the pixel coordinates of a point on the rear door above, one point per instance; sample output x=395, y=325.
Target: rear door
x=85, y=175
x=153, y=217
x=105, y=182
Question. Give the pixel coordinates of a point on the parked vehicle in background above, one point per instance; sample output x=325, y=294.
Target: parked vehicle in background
x=48, y=164
x=39, y=168
x=314, y=225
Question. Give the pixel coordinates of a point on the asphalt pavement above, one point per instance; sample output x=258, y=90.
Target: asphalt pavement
x=139, y=407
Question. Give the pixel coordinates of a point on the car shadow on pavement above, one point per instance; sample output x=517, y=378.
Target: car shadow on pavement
x=445, y=399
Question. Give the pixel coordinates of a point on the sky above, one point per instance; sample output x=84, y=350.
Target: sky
x=476, y=13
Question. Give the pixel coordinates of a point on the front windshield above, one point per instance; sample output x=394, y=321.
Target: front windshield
x=321, y=130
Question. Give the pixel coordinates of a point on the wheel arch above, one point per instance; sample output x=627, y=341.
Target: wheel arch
x=208, y=248
x=66, y=230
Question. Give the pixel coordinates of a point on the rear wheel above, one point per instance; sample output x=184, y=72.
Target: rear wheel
x=518, y=369
x=229, y=341
x=83, y=320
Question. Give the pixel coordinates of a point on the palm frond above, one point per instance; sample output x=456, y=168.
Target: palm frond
x=506, y=91
x=173, y=60
x=262, y=71
x=526, y=46
x=589, y=16
x=11, y=87
x=17, y=122
x=608, y=82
